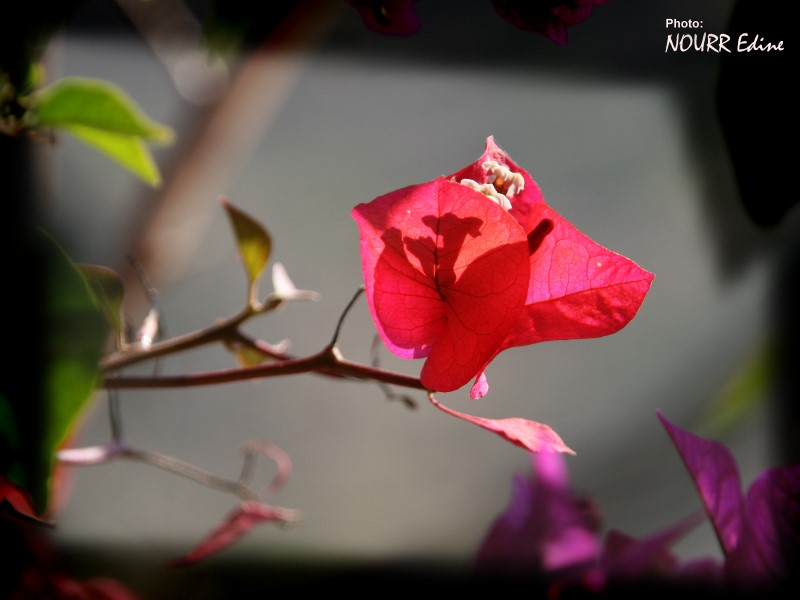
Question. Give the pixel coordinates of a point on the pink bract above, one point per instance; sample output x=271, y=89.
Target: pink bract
x=453, y=275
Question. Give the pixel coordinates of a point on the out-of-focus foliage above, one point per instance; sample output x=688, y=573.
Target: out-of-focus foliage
x=102, y=115
x=76, y=335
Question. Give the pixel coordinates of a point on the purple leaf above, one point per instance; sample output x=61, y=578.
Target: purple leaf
x=716, y=477
x=771, y=536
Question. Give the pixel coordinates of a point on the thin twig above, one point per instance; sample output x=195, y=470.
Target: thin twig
x=97, y=455
x=114, y=416
x=184, y=469
x=344, y=314
x=134, y=355
x=328, y=360
x=385, y=387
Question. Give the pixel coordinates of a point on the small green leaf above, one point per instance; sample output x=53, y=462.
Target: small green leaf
x=108, y=291
x=129, y=151
x=95, y=104
x=247, y=356
x=100, y=114
x=253, y=240
x=75, y=336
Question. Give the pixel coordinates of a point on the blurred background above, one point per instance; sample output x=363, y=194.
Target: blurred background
x=313, y=113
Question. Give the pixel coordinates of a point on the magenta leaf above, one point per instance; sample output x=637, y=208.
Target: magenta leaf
x=759, y=534
x=530, y=435
x=461, y=268
x=716, y=477
x=770, y=543
x=241, y=520
x=626, y=557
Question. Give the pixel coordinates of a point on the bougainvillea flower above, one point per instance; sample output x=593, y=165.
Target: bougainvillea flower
x=549, y=533
x=759, y=533
x=459, y=269
x=548, y=17
x=391, y=17
x=546, y=528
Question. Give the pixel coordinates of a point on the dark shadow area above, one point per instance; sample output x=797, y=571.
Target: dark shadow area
x=740, y=99
x=226, y=578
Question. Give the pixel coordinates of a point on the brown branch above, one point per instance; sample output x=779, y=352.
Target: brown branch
x=328, y=361
x=134, y=354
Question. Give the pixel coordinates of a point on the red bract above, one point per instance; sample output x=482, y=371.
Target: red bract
x=463, y=267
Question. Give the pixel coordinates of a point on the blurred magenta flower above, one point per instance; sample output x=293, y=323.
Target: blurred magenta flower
x=463, y=267
x=551, y=18
x=546, y=529
x=548, y=532
x=548, y=17
x=759, y=533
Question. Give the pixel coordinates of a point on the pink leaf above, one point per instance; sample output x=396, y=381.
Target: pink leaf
x=530, y=435
x=246, y=516
x=19, y=500
x=770, y=541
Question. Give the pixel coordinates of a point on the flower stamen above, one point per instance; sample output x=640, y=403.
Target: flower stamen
x=503, y=179
x=501, y=183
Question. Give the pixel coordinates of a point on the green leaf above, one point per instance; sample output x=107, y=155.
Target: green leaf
x=247, y=356
x=129, y=151
x=253, y=241
x=75, y=332
x=103, y=116
x=95, y=104
x=108, y=291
